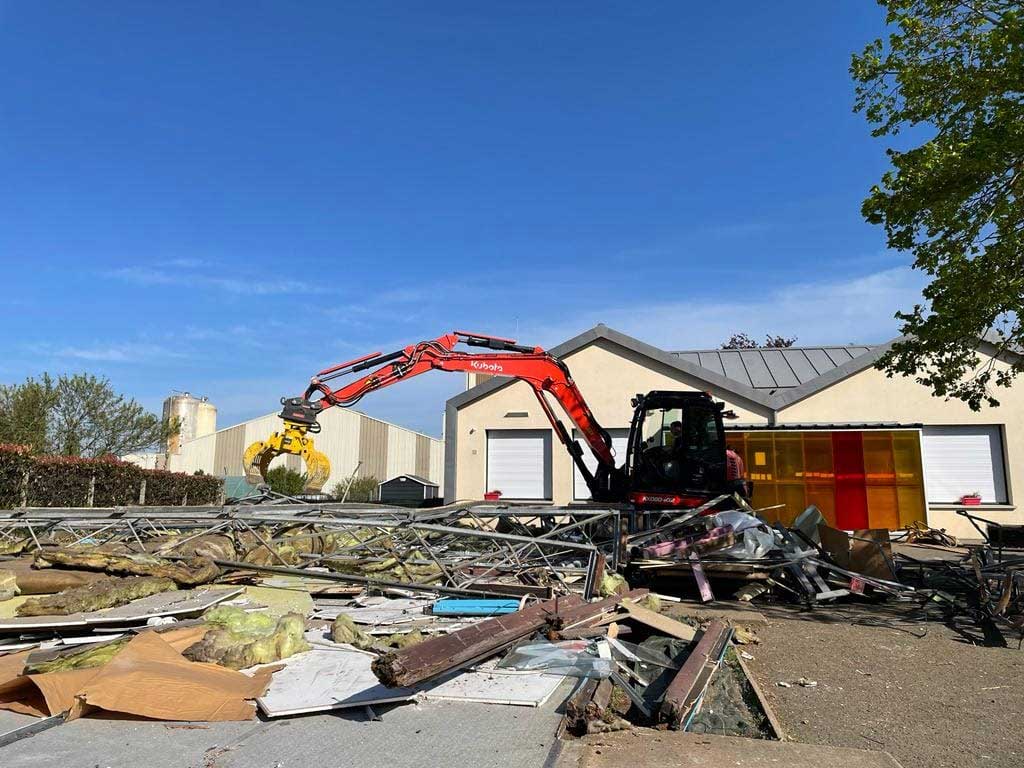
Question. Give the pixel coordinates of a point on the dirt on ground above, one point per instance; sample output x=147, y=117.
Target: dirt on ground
x=931, y=701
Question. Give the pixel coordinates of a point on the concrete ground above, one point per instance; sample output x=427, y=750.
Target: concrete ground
x=932, y=702
x=666, y=749
x=432, y=733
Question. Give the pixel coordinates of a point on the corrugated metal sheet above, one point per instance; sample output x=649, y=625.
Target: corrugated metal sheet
x=401, y=452
x=767, y=368
x=339, y=442
x=423, y=456
x=227, y=458
x=373, y=448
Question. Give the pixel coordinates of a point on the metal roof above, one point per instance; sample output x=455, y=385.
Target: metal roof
x=773, y=368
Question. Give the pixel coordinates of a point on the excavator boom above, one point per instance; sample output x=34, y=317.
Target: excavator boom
x=546, y=375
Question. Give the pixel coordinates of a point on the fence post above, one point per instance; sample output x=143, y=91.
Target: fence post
x=142, y=493
x=24, y=487
x=92, y=490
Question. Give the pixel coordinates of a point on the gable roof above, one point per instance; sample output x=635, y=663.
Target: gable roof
x=773, y=368
x=754, y=377
x=414, y=478
x=738, y=390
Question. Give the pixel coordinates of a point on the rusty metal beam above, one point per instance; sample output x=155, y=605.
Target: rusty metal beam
x=686, y=688
x=437, y=655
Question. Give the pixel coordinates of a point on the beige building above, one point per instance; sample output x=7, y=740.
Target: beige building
x=352, y=442
x=816, y=425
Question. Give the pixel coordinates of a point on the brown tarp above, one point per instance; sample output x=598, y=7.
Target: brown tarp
x=149, y=678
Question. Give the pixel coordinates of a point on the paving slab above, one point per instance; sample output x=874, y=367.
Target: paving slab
x=406, y=736
x=665, y=749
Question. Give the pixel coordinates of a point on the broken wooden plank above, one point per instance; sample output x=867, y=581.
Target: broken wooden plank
x=688, y=685
x=590, y=614
x=769, y=713
x=656, y=621
x=432, y=657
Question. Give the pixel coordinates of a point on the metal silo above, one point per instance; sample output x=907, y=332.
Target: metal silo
x=198, y=418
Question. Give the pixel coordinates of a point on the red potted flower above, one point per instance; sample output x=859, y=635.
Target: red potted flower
x=971, y=499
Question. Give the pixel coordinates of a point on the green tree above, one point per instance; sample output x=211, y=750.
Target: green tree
x=743, y=341
x=25, y=410
x=953, y=74
x=77, y=415
x=286, y=481
x=363, y=489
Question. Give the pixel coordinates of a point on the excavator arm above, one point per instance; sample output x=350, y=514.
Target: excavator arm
x=544, y=374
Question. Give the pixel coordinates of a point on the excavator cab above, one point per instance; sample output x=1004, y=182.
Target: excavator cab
x=676, y=453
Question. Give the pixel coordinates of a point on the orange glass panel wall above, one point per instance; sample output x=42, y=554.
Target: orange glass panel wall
x=858, y=479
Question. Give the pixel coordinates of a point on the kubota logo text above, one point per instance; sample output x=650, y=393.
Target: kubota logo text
x=492, y=367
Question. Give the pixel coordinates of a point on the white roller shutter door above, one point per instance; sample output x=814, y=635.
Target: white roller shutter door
x=963, y=460
x=620, y=441
x=519, y=463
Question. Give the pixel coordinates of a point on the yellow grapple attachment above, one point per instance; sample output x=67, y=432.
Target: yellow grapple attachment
x=292, y=439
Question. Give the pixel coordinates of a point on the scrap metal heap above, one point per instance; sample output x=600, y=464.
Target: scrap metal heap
x=360, y=606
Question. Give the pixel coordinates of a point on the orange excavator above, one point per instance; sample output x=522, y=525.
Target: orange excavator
x=676, y=446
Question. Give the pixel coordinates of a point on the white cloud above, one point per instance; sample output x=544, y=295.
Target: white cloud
x=129, y=352
x=188, y=273
x=857, y=310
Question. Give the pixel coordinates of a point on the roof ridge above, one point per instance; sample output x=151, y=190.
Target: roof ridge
x=771, y=349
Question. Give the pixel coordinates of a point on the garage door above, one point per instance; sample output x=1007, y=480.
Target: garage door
x=519, y=463
x=620, y=439
x=963, y=460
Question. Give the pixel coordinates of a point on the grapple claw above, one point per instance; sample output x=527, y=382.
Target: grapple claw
x=294, y=440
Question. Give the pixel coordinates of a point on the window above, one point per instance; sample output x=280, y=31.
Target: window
x=964, y=460
x=519, y=463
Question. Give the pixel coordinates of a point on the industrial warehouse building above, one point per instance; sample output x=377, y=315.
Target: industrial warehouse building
x=352, y=442
x=817, y=425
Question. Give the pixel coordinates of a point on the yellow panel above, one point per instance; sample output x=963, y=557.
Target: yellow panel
x=907, y=457
x=793, y=496
x=878, y=462
x=789, y=457
x=824, y=498
x=818, y=457
x=911, y=502
x=883, y=507
x=764, y=496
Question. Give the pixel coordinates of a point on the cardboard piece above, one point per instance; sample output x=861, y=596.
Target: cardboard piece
x=857, y=555
x=17, y=693
x=656, y=621
x=148, y=678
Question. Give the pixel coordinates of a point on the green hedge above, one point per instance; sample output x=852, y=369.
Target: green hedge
x=14, y=461
x=65, y=481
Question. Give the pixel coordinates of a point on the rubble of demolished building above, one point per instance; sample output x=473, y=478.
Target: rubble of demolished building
x=273, y=608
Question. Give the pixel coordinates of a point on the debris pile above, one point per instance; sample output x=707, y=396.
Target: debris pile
x=306, y=609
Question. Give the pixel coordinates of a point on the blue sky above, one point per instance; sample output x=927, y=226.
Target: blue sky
x=227, y=197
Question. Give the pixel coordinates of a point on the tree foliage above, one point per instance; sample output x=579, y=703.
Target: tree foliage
x=363, y=489
x=952, y=73
x=286, y=481
x=77, y=415
x=743, y=341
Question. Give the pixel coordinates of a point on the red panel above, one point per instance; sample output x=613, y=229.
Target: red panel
x=851, y=493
